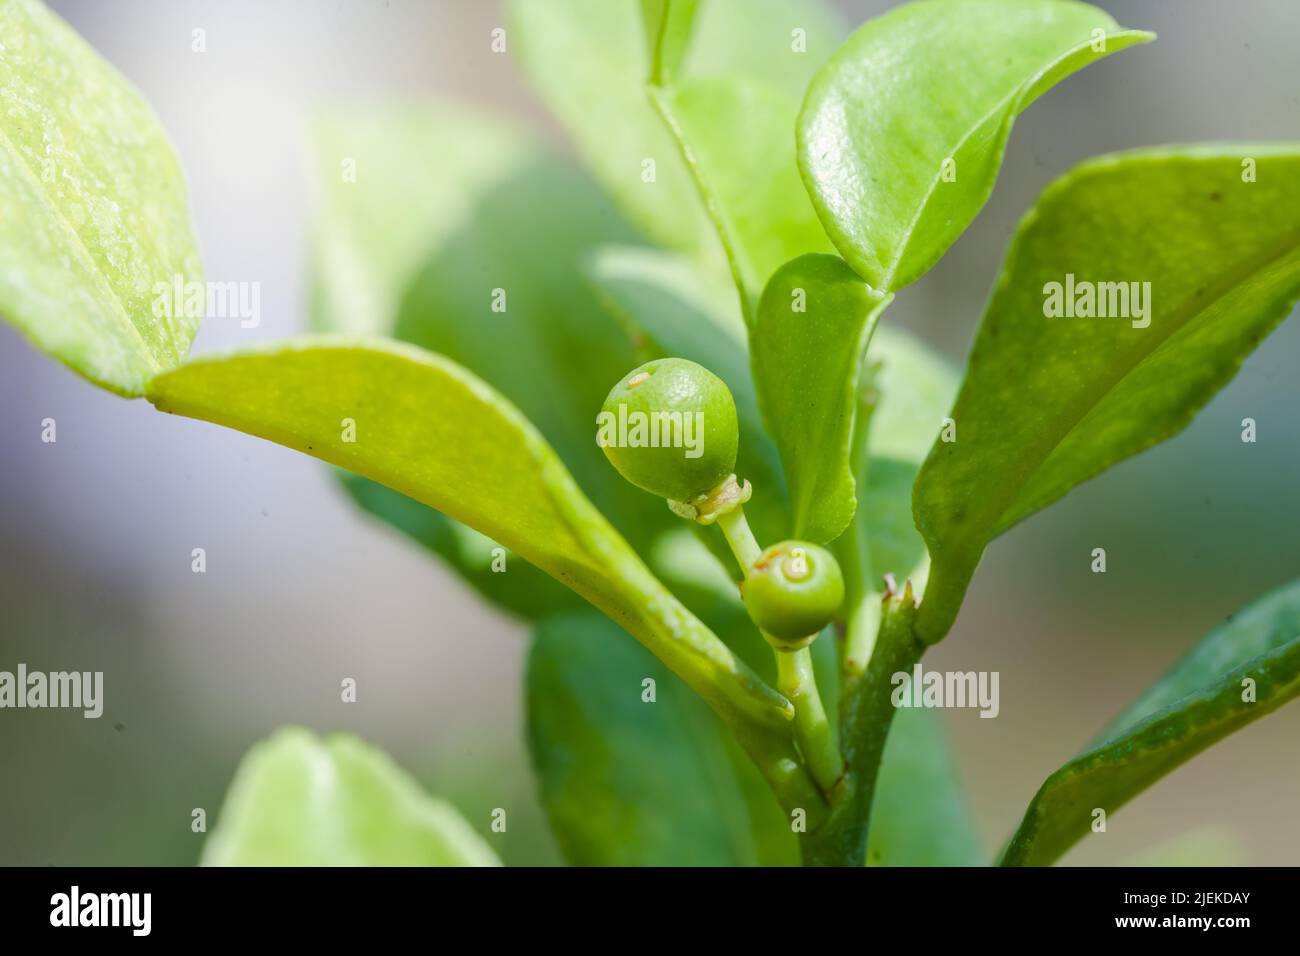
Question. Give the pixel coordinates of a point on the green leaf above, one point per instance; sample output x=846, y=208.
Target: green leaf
x=911, y=388
x=920, y=815
x=1242, y=670
x=733, y=98
x=1049, y=402
x=513, y=274
x=668, y=26
x=298, y=800
x=396, y=184
x=628, y=782
x=454, y=231
x=731, y=115
x=735, y=133
x=1203, y=846
x=810, y=333
x=94, y=216
x=924, y=84
x=672, y=309
x=587, y=61
x=431, y=430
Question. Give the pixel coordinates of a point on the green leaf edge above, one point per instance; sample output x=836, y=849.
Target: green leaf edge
x=1277, y=674
x=1072, y=61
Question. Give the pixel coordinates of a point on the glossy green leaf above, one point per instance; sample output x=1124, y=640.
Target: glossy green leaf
x=424, y=426
x=813, y=324
x=1242, y=670
x=298, y=800
x=631, y=782
x=1205, y=239
x=672, y=309
x=920, y=815
x=453, y=230
x=902, y=131
x=95, y=230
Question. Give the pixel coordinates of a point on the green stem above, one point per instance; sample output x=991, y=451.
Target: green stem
x=866, y=713
x=812, y=730
x=864, y=599
x=735, y=528
x=795, y=679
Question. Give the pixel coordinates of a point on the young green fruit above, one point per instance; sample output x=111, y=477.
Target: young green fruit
x=793, y=591
x=669, y=427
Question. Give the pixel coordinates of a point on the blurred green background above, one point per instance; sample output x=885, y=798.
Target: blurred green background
x=302, y=590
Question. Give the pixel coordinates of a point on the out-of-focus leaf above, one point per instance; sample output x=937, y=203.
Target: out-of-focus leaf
x=631, y=782
x=808, y=339
x=587, y=61
x=1204, y=846
x=395, y=184
x=732, y=116
x=912, y=387
x=298, y=800
x=906, y=389
x=730, y=102
x=1194, y=253
x=668, y=25
x=902, y=131
x=497, y=575
x=920, y=815
x=1240, y=671
x=424, y=426
x=506, y=299
x=451, y=229
x=95, y=231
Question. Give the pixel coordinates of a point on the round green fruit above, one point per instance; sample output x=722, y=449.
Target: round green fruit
x=669, y=427
x=793, y=591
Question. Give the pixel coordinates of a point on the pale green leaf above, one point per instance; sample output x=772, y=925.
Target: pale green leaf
x=431, y=430
x=902, y=131
x=395, y=184
x=1245, y=668
x=668, y=26
x=586, y=60
x=298, y=800
x=95, y=230
x=731, y=101
x=735, y=131
x=1204, y=846
x=1212, y=257
x=809, y=335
